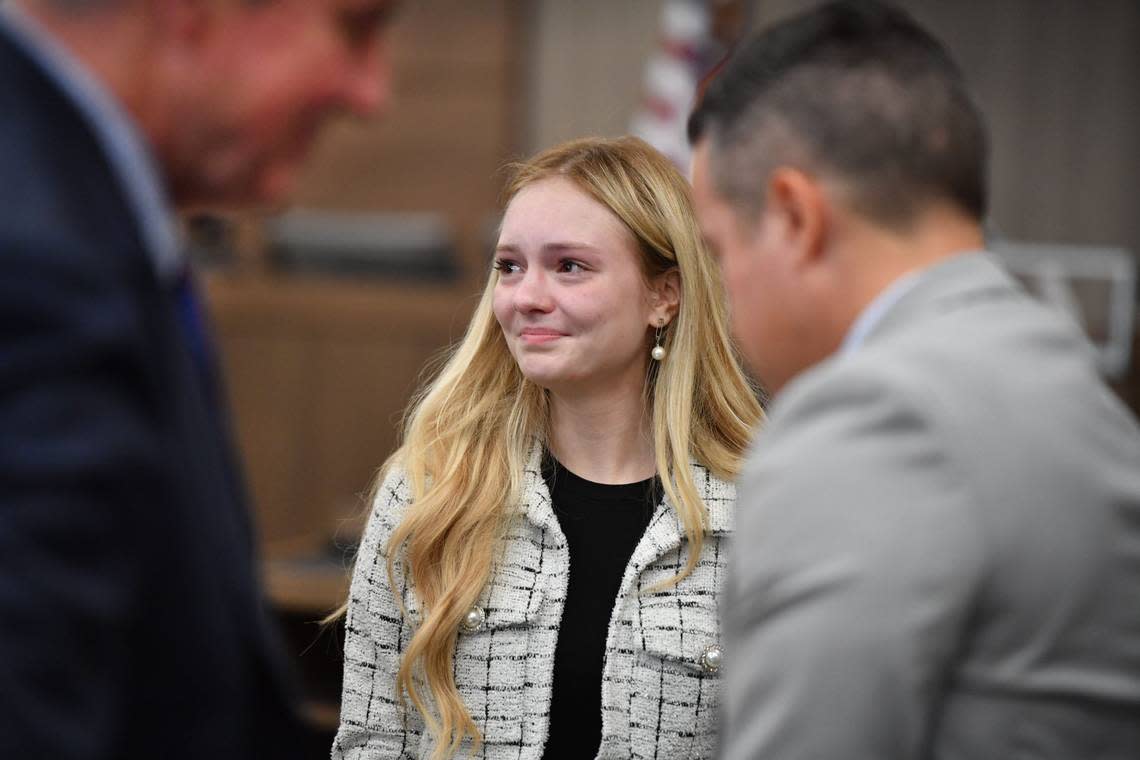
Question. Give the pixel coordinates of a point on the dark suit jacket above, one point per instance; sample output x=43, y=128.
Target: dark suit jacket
x=131, y=623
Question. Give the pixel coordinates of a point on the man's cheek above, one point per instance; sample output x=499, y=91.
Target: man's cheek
x=735, y=278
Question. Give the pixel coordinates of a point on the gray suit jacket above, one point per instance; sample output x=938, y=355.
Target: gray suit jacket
x=938, y=546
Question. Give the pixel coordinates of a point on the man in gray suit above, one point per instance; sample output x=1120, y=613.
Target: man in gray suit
x=938, y=547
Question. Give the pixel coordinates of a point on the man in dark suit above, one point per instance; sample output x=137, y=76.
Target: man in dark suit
x=937, y=551
x=131, y=623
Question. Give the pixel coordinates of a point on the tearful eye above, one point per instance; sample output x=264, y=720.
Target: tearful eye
x=571, y=266
x=506, y=266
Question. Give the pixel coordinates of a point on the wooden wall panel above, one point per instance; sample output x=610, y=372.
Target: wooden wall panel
x=588, y=66
x=448, y=131
x=268, y=382
x=319, y=374
x=362, y=387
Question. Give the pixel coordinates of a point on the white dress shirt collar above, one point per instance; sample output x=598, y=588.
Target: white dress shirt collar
x=874, y=312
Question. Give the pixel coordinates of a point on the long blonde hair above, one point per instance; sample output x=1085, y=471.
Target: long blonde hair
x=469, y=435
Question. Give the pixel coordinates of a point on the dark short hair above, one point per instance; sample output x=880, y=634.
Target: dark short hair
x=853, y=90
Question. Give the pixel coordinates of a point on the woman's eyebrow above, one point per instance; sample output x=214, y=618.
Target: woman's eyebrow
x=567, y=245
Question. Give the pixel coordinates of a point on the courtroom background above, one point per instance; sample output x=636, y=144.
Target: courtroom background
x=328, y=315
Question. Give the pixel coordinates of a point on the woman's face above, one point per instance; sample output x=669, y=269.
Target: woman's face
x=571, y=298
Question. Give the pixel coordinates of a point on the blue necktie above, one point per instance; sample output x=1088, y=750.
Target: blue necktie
x=196, y=331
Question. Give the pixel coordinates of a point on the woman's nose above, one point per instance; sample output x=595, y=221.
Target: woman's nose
x=532, y=293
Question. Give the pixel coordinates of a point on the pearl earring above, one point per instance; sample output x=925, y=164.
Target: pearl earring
x=658, y=352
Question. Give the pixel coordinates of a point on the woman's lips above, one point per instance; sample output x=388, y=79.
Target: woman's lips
x=535, y=335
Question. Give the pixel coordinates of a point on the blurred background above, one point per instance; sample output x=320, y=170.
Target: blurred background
x=329, y=313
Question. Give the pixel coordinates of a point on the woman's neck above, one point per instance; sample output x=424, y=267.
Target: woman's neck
x=603, y=436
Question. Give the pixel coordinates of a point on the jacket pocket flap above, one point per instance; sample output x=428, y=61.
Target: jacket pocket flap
x=681, y=630
x=516, y=589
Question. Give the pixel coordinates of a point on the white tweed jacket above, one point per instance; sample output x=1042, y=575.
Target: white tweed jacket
x=660, y=686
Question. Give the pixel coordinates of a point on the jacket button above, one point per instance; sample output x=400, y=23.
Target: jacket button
x=474, y=619
x=712, y=657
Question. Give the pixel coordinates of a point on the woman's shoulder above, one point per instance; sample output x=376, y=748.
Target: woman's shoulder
x=710, y=484
x=390, y=500
x=718, y=495
x=394, y=486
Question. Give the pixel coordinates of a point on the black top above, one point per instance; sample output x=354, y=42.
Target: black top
x=602, y=524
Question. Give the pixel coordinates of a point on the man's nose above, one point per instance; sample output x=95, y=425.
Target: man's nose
x=367, y=77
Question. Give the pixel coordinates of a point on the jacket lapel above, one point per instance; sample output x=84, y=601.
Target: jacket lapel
x=665, y=532
x=514, y=593
x=536, y=505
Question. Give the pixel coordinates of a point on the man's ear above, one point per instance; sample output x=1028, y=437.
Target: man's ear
x=665, y=293
x=799, y=207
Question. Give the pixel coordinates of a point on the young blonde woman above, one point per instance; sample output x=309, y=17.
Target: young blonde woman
x=541, y=572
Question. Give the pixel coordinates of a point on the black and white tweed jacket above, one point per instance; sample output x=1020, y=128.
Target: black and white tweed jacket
x=660, y=687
